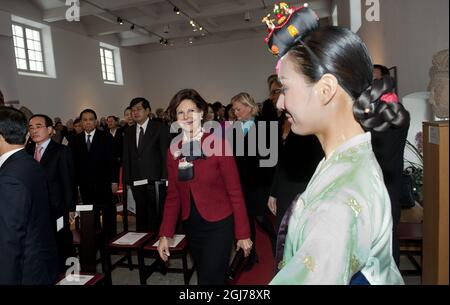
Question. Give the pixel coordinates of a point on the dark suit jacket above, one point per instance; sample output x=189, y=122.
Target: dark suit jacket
x=57, y=162
x=118, y=146
x=299, y=158
x=151, y=162
x=255, y=179
x=98, y=166
x=27, y=242
x=216, y=191
x=389, y=149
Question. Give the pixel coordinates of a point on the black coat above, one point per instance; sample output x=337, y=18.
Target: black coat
x=151, y=162
x=57, y=162
x=256, y=180
x=389, y=149
x=299, y=157
x=27, y=242
x=99, y=165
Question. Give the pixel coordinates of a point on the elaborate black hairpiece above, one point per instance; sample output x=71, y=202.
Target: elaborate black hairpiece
x=293, y=25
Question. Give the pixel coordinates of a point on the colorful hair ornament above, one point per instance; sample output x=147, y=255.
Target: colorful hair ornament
x=389, y=98
x=292, y=25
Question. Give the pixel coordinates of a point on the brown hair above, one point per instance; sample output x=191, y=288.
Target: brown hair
x=186, y=94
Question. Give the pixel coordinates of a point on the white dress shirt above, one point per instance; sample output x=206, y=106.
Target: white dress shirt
x=5, y=156
x=138, y=130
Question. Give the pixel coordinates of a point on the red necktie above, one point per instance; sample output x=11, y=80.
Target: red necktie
x=38, y=153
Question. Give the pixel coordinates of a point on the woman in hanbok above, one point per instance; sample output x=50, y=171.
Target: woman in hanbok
x=339, y=231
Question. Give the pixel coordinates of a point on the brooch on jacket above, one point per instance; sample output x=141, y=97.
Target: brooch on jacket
x=190, y=151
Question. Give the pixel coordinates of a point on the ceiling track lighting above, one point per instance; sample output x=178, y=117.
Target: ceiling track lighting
x=132, y=27
x=119, y=20
x=176, y=10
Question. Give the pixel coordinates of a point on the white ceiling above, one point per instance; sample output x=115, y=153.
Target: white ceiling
x=222, y=20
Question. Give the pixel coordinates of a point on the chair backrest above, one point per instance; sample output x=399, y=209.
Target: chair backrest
x=394, y=75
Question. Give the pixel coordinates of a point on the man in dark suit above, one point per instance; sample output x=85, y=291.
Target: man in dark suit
x=97, y=172
x=57, y=161
x=144, y=162
x=27, y=242
x=117, y=135
x=389, y=149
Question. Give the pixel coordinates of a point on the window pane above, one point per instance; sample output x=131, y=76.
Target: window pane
x=36, y=36
x=28, y=33
x=109, y=62
x=31, y=55
x=110, y=69
x=39, y=66
x=32, y=65
x=108, y=54
x=18, y=42
x=38, y=56
x=104, y=75
x=17, y=31
x=30, y=44
x=111, y=77
x=22, y=64
x=37, y=46
x=21, y=53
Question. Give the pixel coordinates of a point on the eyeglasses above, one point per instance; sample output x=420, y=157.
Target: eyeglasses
x=33, y=128
x=276, y=91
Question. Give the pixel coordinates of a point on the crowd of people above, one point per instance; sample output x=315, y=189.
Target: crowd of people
x=333, y=204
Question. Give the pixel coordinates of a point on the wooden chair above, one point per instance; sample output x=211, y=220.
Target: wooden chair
x=148, y=250
x=87, y=241
x=410, y=238
x=179, y=251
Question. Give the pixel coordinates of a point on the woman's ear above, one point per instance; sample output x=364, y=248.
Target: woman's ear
x=326, y=88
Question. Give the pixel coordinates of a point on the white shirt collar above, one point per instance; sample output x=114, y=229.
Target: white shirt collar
x=44, y=145
x=92, y=133
x=5, y=156
x=113, y=133
x=144, y=126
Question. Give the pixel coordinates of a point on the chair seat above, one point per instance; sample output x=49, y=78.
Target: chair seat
x=135, y=246
x=182, y=245
x=96, y=279
x=409, y=232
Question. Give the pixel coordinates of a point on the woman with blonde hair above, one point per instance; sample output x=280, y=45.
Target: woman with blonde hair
x=255, y=180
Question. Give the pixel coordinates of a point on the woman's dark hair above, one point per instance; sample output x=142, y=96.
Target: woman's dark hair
x=227, y=109
x=340, y=52
x=186, y=94
x=47, y=119
x=374, y=114
x=383, y=69
x=13, y=125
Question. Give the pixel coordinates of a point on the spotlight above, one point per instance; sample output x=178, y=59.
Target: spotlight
x=132, y=27
x=119, y=20
x=176, y=10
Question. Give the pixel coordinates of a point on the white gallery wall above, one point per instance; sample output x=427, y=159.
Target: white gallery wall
x=79, y=82
x=409, y=34
x=217, y=72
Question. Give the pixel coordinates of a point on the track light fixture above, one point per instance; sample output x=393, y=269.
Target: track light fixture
x=119, y=20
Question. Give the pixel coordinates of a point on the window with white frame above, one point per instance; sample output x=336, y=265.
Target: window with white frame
x=111, y=64
x=108, y=65
x=28, y=48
